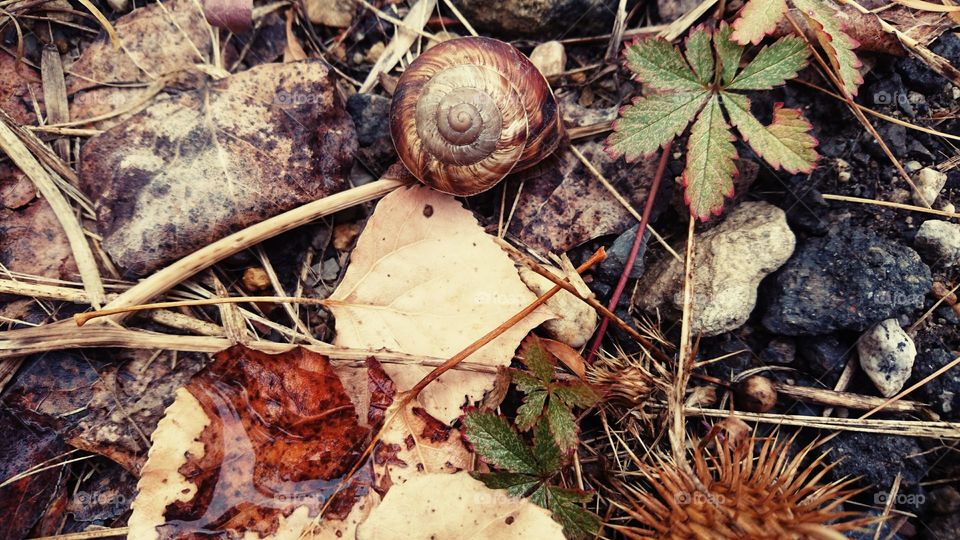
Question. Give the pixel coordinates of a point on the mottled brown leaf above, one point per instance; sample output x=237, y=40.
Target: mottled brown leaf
x=216, y=159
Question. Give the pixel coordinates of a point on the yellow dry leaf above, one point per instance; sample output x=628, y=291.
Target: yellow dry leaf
x=455, y=506
x=424, y=279
x=414, y=443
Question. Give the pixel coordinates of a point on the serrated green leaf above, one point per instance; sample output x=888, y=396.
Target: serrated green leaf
x=786, y=143
x=498, y=443
x=708, y=175
x=516, y=484
x=651, y=121
x=728, y=53
x=658, y=64
x=700, y=55
x=545, y=448
x=773, y=65
x=531, y=410
x=758, y=18
x=824, y=18
x=526, y=382
x=575, y=394
x=537, y=359
x=565, y=505
x=563, y=425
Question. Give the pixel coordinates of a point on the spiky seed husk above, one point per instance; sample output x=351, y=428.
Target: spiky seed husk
x=739, y=492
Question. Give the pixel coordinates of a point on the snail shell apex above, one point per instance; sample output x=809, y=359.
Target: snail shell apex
x=471, y=110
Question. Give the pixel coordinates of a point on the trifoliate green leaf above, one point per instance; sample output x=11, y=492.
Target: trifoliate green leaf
x=700, y=55
x=651, y=121
x=537, y=359
x=758, y=18
x=708, y=176
x=658, y=64
x=823, y=17
x=728, y=53
x=786, y=143
x=563, y=424
x=575, y=394
x=531, y=410
x=545, y=448
x=516, y=484
x=567, y=510
x=773, y=65
x=498, y=443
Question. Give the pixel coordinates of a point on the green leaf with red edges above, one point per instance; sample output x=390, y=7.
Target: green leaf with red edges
x=773, y=65
x=708, y=176
x=530, y=411
x=786, y=143
x=700, y=55
x=758, y=18
x=651, y=121
x=728, y=53
x=822, y=17
x=658, y=64
x=498, y=443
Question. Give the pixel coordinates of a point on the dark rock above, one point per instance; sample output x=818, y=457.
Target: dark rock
x=611, y=268
x=918, y=76
x=942, y=393
x=869, y=532
x=371, y=116
x=945, y=500
x=825, y=355
x=894, y=135
x=808, y=212
x=545, y=19
x=850, y=279
x=779, y=351
x=876, y=459
x=671, y=10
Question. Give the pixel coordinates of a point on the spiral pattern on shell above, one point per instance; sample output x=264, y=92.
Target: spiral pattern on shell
x=471, y=110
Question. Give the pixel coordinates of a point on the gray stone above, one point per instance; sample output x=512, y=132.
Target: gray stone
x=850, y=279
x=886, y=356
x=611, y=267
x=731, y=259
x=939, y=241
x=929, y=182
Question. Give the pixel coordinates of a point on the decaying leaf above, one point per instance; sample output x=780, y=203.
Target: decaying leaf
x=224, y=156
x=33, y=229
x=24, y=500
x=562, y=205
x=255, y=444
x=425, y=279
x=156, y=40
x=576, y=320
x=415, y=443
x=455, y=506
x=18, y=87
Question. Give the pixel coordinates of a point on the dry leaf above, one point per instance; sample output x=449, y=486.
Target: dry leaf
x=156, y=40
x=455, y=506
x=217, y=159
x=563, y=205
x=255, y=444
x=576, y=320
x=425, y=279
x=415, y=443
x=18, y=88
x=31, y=230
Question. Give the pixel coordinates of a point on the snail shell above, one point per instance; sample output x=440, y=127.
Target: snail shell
x=471, y=110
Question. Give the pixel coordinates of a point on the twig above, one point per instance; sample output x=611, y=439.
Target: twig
x=634, y=249
x=675, y=397
x=844, y=198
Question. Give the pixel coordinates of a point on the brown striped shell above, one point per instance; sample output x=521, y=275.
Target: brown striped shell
x=471, y=110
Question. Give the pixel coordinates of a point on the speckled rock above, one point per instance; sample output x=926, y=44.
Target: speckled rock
x=886, y=355
x=731, y=259
x=939, y=241
x=849, y=279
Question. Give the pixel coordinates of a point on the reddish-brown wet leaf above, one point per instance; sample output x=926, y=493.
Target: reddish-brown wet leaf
x=226, y=155
x=24, y=501
x=16, y=98
x=30, y=230
x=256, y=442
x=562, y=205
